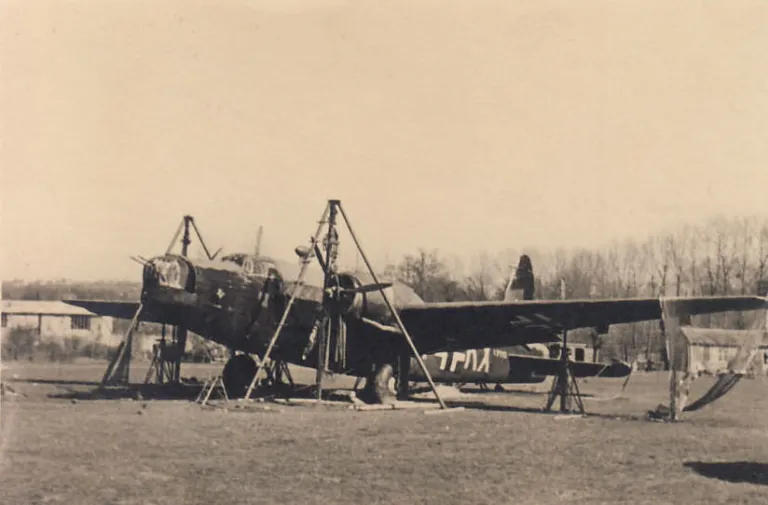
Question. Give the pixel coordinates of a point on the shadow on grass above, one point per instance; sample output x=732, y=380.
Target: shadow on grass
x=474, y=405
x=734, y=471
x=56, y=382
x=171, y=391
x=510, y=391
x=93, y=390
x=190, y=391
x=134, y=391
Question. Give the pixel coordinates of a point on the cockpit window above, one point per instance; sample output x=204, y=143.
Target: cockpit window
x=261, y=268
x=237, y=259
x=250, y=265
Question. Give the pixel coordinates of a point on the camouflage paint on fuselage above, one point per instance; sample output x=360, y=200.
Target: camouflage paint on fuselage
x=238, y=302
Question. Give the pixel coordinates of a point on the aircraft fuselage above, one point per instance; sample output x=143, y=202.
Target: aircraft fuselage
x=238, y=303
x=473, y=366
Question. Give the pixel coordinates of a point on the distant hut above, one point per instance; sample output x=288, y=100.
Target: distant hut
x=712, y=350
x=54, y=320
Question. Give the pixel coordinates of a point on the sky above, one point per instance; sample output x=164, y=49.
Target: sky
x=460, y=126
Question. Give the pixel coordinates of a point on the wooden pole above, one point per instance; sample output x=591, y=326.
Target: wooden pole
x=258, y=241
x=175, y=237
x=392, y=310
x=563, y=376
x=670, y=346
x=120, y=364
x=299, y=279
x=326, y=327
x=200, y=238
x=181, y=330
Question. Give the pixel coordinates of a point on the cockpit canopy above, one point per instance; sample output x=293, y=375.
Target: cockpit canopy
x=251, y=265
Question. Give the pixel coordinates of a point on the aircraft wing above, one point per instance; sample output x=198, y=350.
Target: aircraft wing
x=460, y=325
x=547, y=366
x=119, y=309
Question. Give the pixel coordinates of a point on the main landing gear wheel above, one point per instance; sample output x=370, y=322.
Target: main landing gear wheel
x=381, y=387
x=238, y=374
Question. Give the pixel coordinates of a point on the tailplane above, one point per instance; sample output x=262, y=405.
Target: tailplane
x=520, y=285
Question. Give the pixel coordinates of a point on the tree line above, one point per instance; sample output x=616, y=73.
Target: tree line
x=721, y=256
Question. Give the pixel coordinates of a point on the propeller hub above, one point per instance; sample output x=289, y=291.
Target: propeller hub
x=339, y=296
x=346, y=294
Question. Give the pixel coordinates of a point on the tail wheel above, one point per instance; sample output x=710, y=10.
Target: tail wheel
x=238, y=374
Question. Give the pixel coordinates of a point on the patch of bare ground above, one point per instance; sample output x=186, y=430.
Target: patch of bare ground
x=499, y=450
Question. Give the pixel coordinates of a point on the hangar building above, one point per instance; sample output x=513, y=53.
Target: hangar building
x=55, y=320
x=711, y=350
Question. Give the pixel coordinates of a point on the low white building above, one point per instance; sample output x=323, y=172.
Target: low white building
x=56, y=320
x=712, y=350
x=576, y=352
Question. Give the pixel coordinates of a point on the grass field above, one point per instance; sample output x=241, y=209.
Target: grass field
x=499, y=450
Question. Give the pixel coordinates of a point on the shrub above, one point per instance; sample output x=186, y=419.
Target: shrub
x=19, y=343
x=23, y=343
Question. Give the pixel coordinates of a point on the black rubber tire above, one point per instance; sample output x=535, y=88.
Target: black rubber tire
x=238, y=374
x=383, y=385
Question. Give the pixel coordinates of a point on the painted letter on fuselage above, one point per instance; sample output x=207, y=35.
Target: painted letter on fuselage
x=443, y=359
x=458, y=357
x=485, y=363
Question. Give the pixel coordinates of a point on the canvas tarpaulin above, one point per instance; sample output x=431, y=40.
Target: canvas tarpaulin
x=745, y=361
x=740, y=348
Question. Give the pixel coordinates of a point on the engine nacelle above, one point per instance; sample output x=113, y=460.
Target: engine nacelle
x=369, y=304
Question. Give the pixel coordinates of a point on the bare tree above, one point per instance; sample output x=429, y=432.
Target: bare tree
x=428, y=276
x=484, y=280
x=658, y=250
x=761, y=271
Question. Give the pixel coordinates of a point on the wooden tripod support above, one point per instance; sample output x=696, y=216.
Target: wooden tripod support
x=166, y=365
x=565, y=385
x=329, y=217
x=166, y=370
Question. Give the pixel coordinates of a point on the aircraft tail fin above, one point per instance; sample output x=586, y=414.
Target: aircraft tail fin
x=521, y=284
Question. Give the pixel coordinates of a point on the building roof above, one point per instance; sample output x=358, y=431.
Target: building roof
x=42, y=307
x=723, y=338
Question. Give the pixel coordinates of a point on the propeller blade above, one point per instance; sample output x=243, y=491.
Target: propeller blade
x=323, y=334
x=137, y=260
x=382, y=327
x=340, y=356
x=368, y=288
x=317, y=326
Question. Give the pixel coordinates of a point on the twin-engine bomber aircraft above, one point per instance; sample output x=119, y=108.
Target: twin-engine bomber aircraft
x=239, y=300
